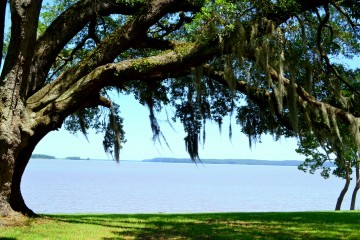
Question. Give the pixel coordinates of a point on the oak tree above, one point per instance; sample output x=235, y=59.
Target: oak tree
x=275, y=64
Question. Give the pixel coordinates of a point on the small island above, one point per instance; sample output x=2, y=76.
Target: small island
x=42, y=156
x=76, y=158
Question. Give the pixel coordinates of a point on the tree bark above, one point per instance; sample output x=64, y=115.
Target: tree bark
x=16, y=200
x=343, y=191
x=17, y=142
x=6, y=173
x=15, y=127
x=9, y=143
x=357, y=186
x=2, y=26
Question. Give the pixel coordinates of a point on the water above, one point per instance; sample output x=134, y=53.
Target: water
x=65, y=186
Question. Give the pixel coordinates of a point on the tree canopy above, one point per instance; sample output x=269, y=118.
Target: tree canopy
x=278, y=66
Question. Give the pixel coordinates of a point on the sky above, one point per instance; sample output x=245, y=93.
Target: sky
x=140, y=146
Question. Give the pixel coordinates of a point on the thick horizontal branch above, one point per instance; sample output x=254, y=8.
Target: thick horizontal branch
x=162, y=66
x=264, y=98
x=153, y=43
x=312, y=101
x=259, y=96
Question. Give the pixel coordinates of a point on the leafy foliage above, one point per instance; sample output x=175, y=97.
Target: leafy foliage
x=114, y=133
x=256, y=38
x=308, y=40
x=108, y=122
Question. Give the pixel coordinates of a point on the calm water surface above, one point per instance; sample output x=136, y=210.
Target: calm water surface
x=65, y=186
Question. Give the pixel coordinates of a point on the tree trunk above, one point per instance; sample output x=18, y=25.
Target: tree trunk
x=343, y=191
x=14, y=157
x=6, y=170
x=7, y=165
x=357, y=186
x=17, y=124
x=353, y=197
x=16, y=200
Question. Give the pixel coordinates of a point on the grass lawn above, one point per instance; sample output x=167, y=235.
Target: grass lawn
x=296, y=225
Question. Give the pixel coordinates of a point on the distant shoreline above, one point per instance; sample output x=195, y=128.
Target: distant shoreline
x=228, y=161
x=187, y=160
x=232, y=161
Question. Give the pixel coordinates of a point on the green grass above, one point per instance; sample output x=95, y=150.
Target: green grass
x=294, y=225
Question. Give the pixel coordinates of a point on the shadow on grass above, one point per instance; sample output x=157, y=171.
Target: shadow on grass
x=307, y=225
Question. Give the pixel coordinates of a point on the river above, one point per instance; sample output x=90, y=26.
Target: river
x=94, y=186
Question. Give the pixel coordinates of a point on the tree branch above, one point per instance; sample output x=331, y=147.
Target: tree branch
x=105, y=102
x=91, y=35
x=323, y=54
x=306, y=97
x=71, y=21
x=260, y=97
x=281, y=14
x=161, y=66
x=91, y=75
x=122, y=39
x=65, y=27
x=348, y=18
x=92, y=31
x=176, y=26
x=154, y=43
